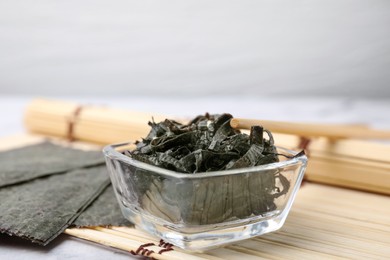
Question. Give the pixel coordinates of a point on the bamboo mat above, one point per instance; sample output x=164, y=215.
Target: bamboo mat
x=324, y=222
x=352, y=163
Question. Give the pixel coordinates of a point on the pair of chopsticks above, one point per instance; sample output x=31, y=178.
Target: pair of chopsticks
x=331, y=131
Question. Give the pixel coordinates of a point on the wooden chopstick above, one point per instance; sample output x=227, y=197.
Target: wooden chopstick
x=335, y=131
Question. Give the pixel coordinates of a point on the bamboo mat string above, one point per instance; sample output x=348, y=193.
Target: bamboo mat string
x=167, y=246
x=72, y=122
x=304, y=143
x=143, y=251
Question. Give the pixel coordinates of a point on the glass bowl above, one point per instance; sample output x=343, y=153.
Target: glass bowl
x=205, y=210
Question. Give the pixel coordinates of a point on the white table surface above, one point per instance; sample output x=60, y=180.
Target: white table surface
x=336, y=110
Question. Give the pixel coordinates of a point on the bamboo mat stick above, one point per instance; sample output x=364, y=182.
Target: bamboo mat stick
x=326, y=246
x=88, y=123
x=350, y=176
x=327, y=242
x=273, y=250
x=261, y=254
x=354, y=148
x=133, y=231
x=330, y=158
x=338, y=226
x=143, y=235
x=312, y=130
x=230, y=254
x=125, y=244
x=347, y=163
x=146, y=239
x=361, y=149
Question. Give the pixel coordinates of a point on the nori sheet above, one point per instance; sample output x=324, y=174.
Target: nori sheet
x=30, y=162
x=104, y=211
x=43, y=208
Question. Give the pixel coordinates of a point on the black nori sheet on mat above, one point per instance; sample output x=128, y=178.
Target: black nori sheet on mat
x=43, y=208
x=30, y=162
x=104, y=211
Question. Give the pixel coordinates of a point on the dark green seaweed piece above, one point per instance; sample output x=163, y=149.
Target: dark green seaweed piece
x=251, y=158
x=256, y=136
x=30, y=162
x=104, y=211
x=43, y=208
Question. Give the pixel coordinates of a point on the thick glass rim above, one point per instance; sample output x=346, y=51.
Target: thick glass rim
x=110, y=152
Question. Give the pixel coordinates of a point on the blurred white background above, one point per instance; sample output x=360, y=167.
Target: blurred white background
x=195, y=48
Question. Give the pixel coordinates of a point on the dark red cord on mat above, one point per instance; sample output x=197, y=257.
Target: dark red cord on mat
x=72, y=121
x=167, y=246
x=165, y=250
x=141, y=250
x=304, y=143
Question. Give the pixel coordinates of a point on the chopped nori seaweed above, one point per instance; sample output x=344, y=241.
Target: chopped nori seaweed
x=30, y=162
x=41, y=209
x=104, y=211
x=208, y=143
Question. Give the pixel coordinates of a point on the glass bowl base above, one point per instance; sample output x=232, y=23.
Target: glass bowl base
x=202, y=238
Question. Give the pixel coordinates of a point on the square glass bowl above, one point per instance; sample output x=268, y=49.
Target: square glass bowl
x=201, y=211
